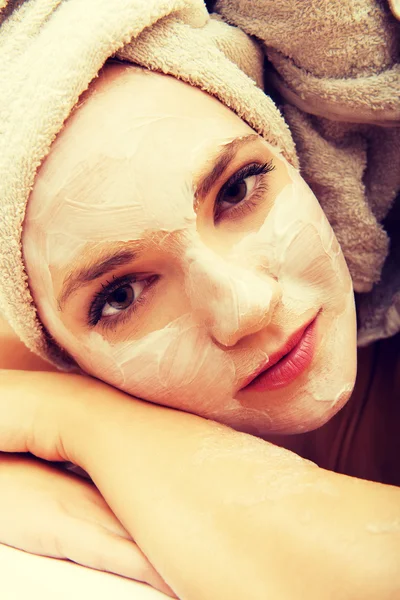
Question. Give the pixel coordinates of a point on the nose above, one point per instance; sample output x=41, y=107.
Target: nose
x=228, y=299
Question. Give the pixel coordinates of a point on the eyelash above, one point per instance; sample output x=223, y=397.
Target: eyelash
x=100, y=300
x=243, y=207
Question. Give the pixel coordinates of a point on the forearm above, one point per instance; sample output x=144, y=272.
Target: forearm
x=225, y=515
x=220, y=514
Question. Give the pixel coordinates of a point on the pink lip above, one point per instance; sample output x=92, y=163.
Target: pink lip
x=288, y=363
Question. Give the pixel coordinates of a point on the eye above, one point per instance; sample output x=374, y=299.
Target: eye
x=238, y=189
x=118, y=297
x=122, y=298
x=236, y=192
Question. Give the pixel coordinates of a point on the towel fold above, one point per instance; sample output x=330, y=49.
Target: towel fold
x=336, y=68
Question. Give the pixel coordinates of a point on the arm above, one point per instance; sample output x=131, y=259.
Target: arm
x=46, y=511
x=71, y=519
x=218, y=513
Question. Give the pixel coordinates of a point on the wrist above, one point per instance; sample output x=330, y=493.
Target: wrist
x=79, y=422
x=96, y=412
x=49, y=414
x=66, y=413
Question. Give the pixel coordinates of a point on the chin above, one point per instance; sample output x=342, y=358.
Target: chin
x=313, y=414
x=304, y=406
x=306, y=410
x=305, y=414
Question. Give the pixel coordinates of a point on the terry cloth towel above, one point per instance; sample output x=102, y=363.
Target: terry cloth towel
x=335, y=66
x=50, y=50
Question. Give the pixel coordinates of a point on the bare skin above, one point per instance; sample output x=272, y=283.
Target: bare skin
x=352, y=443
x=72, y=520
x=363, y=439
x=318, y=511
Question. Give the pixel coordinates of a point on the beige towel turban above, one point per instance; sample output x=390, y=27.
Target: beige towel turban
x=50, y=50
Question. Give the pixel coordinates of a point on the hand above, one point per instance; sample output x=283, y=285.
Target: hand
x=46, y=511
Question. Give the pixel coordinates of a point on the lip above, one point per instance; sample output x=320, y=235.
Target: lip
x=286, y=364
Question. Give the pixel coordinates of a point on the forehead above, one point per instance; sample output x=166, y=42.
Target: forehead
x=124, y=163
x=129, y=123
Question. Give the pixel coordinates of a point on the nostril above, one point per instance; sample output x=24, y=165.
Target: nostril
x=227, y=333
x=225, y=341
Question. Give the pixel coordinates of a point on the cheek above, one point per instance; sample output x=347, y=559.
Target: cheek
x=297, y=246
x=41, y=281
x=177, y=366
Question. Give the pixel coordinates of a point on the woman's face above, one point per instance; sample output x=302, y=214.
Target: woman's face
x=176, y=255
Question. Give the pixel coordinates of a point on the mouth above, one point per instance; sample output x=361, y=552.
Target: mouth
x=288, y=363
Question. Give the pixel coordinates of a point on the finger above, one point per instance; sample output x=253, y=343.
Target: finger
x=104, y=551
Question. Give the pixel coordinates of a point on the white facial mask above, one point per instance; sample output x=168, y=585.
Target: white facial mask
x=240, y=294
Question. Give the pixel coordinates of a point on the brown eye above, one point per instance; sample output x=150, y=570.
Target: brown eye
x=117, y=297
x=240, y=186
x=235, y=193
x=121, y=298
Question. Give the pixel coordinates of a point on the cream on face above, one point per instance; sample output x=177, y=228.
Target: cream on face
x=174, y=254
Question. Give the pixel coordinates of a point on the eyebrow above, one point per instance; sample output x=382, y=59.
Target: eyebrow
x=222, y=161
x=116, y=259
x=87, y=274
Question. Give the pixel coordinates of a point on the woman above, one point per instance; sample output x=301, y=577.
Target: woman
x=222, y=292
x=217, y=260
